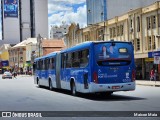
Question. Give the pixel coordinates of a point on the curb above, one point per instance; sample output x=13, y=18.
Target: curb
x=148, y=85
x=25, y=75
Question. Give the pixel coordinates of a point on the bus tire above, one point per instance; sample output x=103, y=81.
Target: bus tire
x=73, y=89
x=106, y=93
x=50, y=85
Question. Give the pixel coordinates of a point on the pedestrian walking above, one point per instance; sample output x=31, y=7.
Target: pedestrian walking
x=152, y=74
x=14, y=74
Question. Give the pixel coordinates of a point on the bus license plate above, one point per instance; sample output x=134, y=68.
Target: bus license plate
x=115, y=87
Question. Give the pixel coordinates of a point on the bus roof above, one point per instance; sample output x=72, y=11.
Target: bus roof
x=47, y=56
x=88, y=43
x=79, y=46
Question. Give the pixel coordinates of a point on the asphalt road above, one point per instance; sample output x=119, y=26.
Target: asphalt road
x=22, y=94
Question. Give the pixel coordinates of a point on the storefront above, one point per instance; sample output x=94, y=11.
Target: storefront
x=138, y=63
x=154, y=63
x=4, y=66
x=149, y=64
x=27, y=67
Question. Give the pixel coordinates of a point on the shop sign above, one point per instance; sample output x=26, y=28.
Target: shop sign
x=149, y=59
x=5, y=63
x=156, y=59
x=0, y=64
x=152, y=54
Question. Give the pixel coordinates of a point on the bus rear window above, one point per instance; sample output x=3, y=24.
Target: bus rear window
x=108, y=54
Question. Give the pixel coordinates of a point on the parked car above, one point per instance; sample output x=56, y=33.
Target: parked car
x=7, y=75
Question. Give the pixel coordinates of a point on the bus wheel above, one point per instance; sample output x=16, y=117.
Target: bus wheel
x=73, y=89
x=50, y=85
x=106, y=93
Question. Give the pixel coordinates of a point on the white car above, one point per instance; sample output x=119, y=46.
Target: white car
x=7, y=75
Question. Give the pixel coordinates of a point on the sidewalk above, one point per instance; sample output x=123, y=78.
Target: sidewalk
x=148, y=83
x=25, y=75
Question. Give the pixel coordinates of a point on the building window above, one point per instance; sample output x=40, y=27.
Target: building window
x=149, y=43
x=121, y=30
x=86, y=38
x=131, y=22
x=153, y=42
x=118, y=31
x=110, y=31
x=148, y=22
x=153, y=21
x=138, y=24
x=137, y=45
x=114, y=32
x=158, y=20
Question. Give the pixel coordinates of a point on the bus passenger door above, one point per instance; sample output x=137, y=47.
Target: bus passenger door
x=46, y=71
x=43, y=73
x=58, y=70
x=63, y=71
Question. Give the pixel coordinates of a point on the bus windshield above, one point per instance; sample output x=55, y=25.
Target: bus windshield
x=113, y=54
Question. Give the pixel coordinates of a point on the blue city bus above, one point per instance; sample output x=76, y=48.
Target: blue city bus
x=89, y=67
x=45, y=72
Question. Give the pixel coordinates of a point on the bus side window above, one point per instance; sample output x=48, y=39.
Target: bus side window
x=40, y=65
x=84, y=58
x=69, y=60
x=43, y=65
x=37, y=66
x=52, y=64
x=46, y=63
x=34, y=66
x=75, y=61
x=62, y=60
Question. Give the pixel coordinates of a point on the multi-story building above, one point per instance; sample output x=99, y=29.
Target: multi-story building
x=71, y=36
x=48, y=46
x=28, y=19
x=141, y=27
x=4, y=57
x=96, y=11
x=18, y=54
x=30, y=54
x=58, y=32
x=101, y=10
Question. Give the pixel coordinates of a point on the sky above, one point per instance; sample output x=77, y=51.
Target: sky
x=67, y=11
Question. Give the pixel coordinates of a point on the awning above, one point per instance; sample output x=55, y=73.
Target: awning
x=6, y=67
x=27, y=64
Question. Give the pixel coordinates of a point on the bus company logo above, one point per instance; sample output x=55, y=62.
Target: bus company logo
x=99, y=71
x=127, y=75
x=6, y=114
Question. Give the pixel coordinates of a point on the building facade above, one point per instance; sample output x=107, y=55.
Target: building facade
x=96, y=11
x=101, y=10
x=20, y=55
x=48, y=46
x=4, y=58
x=28, y=19
x=74, y=35
x=58, y=32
